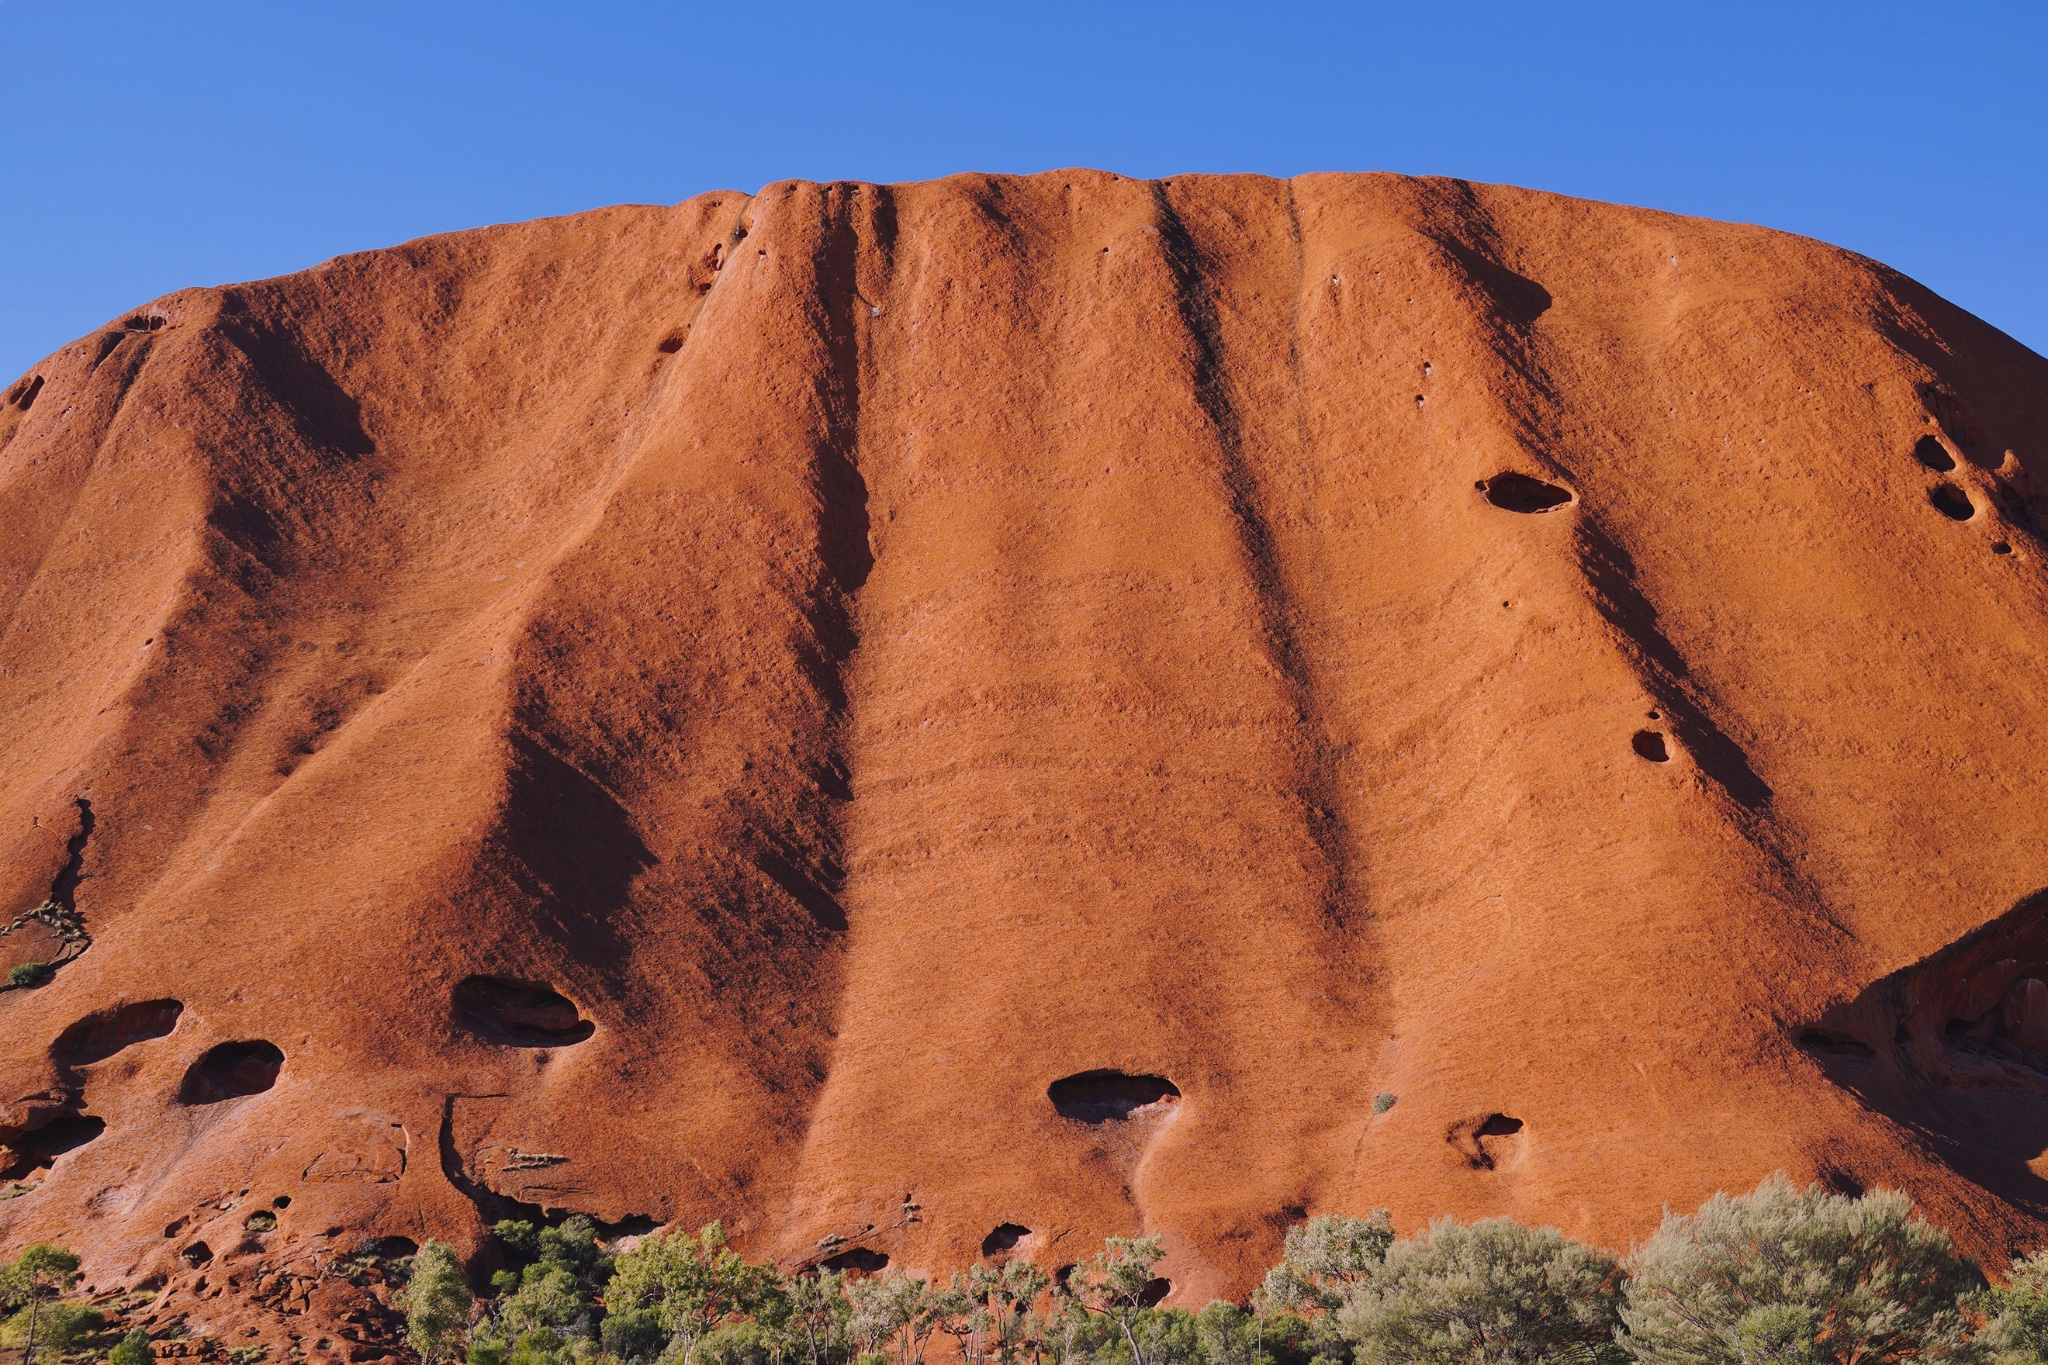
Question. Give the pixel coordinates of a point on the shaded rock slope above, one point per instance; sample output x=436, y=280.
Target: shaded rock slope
x=1008, y=710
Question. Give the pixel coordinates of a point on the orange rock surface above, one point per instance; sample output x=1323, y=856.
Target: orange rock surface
x=1454, y=698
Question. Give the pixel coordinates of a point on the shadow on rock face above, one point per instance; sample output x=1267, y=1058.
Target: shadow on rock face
x=99, y=1036
x=1955, y=1049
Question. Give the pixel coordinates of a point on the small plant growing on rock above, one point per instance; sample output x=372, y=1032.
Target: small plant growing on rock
x=23, y=975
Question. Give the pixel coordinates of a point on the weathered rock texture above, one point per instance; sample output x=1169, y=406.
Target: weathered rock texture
x=714, y=710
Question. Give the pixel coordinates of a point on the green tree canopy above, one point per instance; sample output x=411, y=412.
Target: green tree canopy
x=1324, y=1258
x=1116, y=1283
x=41, y=1273
x=693, y=1285
x=436, y=1302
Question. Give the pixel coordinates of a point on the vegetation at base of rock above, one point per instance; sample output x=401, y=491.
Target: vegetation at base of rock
x=1780, y=1276
x=2017, y=1333
x=436, y=1302
x=30, y=1288
x=1491, y=1291
x=692, y=1287
x=1786, y=1274
x=1324, y=1259
x=133, y=1349
x=1114, y=1285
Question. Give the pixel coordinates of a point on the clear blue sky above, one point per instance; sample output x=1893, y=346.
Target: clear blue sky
x=148, y=146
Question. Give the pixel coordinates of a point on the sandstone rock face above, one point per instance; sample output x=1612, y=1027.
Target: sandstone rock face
x=990, y=713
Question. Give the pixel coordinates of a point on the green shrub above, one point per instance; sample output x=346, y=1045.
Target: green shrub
x=1228, y=1335
x=1491, y=1292
x=739, y=1343
x=132, y=1349
x=2018, y=1330
x=26, y=974
x=541, y=1346
x=693, y=1286
x=58, y=1326
x=1785, y=1274
x=635, y=1334
x=550, y=1298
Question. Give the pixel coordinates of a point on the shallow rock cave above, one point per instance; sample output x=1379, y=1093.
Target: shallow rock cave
x=1109, y=1096
x=857, y=1260
x=520, y=1013
x=1004, y=1238
x=231, y=1070
x=1485, y=1141
x=28, y=1150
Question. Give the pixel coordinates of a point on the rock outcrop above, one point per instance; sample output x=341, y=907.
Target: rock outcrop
x=996, y=712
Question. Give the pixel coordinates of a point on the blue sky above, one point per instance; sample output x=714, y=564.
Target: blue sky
x=149, y=146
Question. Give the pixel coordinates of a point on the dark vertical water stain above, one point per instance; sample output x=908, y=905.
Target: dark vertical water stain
x=1196, y=306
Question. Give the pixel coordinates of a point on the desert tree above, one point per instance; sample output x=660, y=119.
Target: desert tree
x=1008, y=1292
x=1117, y=1282
x=962, y=1315
x=1323, y=1260
x=692, y=1285
x=436, y=1301
x=820, y=1311
x=893, y=1307
x=42, y=1274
